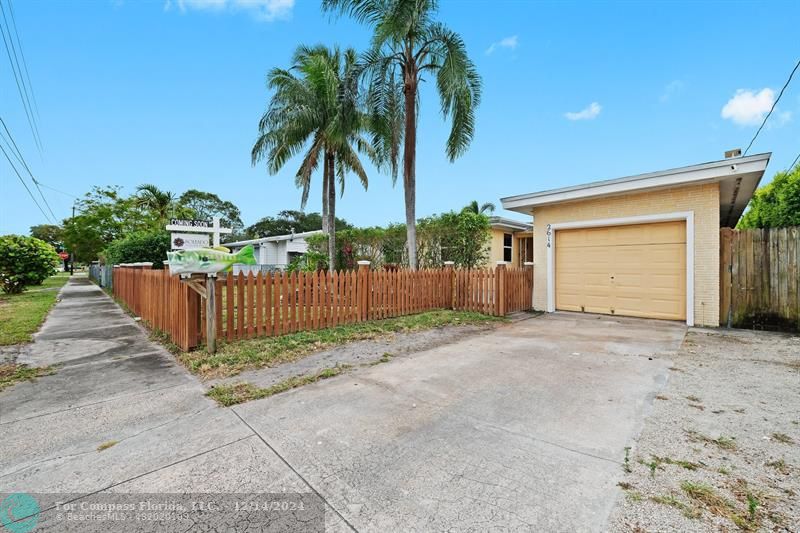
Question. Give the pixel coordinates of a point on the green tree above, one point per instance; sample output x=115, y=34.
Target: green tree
x=103, y=216
x=160, y=203
x=49, y=233
x=25, y=261
x=315, y=104
x=408, y=44
x=140, y=246
x=205, y=205
x=473, y=207
x=776, y=204
x=286, y=221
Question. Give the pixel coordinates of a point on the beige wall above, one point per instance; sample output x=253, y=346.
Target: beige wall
x=703, y=200
x=496, y=246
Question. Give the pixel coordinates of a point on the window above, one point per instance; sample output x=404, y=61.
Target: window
x=508, y=241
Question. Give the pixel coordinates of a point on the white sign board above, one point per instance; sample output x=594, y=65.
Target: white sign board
x=189, y=241
x=199, y=226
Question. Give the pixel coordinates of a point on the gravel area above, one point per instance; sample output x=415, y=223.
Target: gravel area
x=358, y=353
x=720, y=450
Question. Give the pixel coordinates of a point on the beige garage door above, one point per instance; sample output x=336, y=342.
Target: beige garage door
x=637, y=270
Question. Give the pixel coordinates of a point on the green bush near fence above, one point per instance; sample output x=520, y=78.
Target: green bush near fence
x=140, y=246
x=459, y=237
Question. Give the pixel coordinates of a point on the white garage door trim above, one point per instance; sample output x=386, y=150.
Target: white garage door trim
x=688, y=216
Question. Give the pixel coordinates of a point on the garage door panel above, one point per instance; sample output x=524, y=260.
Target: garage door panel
x=637, y=270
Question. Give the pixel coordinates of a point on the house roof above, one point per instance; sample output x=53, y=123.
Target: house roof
x=274, y=238
x=738, y=178
x=509, y=223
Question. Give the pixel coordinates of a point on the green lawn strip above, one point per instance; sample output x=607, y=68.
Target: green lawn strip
x=236, y=393
x=11, y=374
x=231, y=358
x=22, y=314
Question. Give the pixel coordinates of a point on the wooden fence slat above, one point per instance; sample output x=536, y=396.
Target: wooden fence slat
x=264, y=304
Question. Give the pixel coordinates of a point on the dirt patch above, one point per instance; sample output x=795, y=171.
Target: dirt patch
x=733, y=465
x=355, y=354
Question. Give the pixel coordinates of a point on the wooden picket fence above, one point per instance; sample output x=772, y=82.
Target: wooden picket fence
x=760, y=278
x=162, y=300
x=267, y=304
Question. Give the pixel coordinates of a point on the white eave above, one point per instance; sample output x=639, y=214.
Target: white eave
x=738, y=179
x=508, y=223
x=274, y=238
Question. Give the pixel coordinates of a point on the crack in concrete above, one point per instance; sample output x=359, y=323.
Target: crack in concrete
x=123, y=439
x=293, y=469
x=199, y=454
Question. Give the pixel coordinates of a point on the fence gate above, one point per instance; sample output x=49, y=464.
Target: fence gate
x=760, y=278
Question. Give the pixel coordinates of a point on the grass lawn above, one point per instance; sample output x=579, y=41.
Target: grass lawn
x=22, y=314
x=232, y=358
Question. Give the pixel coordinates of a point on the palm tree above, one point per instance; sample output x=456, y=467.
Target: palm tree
x=150, y=197
x=316, y=101
x=473, y=207
x=407, y=44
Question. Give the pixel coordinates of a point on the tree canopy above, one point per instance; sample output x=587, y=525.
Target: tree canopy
x=105, y=215
x=285, y=221
x=49, y=233
x=206, y=205
x=776, y=204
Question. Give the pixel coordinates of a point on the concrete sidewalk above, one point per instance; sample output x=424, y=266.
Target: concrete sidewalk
x=113, y=384
x=519, y=428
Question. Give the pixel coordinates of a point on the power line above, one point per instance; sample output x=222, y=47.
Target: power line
x=18, y=155
x=24, y=63
x=796, y=159
x=21, y=87
x=24, y=184
x=773, y=106
x=58, y=191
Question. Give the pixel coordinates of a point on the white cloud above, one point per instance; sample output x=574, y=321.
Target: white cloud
x=747, y=108
x=672, y=89
x=509, y=42
x=588, y=113
x=266, y=10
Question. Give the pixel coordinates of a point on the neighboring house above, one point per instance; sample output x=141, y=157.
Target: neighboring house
x=277, y=251
x=511, y=241
x=645, y=245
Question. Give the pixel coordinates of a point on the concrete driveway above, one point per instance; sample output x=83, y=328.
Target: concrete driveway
x=520, y=428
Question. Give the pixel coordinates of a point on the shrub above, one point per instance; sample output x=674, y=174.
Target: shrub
x=460, y=237
x=25, y=261
x=139, y=246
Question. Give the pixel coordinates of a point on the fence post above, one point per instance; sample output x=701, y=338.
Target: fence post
x=530, y=264
x=501, y=288
x=450, y=280
x=363, y=290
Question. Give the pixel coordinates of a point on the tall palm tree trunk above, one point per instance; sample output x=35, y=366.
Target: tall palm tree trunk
x=325, y=179
x=329, y=166
x=409, y=167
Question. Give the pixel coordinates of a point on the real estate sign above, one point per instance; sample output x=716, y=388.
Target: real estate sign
x=190, y=241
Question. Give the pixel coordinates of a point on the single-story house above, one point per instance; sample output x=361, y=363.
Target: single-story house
x=644, y=246
x=511, y=241
x=276, y=251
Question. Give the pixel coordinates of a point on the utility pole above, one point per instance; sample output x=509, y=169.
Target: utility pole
x=72, y=252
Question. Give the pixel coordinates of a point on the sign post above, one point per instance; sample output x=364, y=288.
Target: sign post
x=189, y=236
x=211, y=313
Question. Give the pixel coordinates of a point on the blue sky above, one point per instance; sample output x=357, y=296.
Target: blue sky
x=171, y=93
